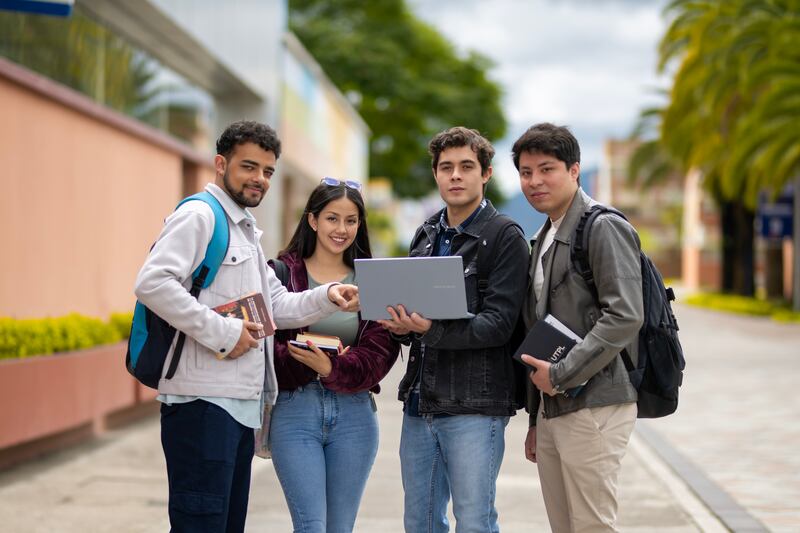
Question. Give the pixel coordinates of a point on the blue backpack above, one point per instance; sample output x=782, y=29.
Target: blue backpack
x=151, y=336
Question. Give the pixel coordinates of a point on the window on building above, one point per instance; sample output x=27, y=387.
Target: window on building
x=84, y=55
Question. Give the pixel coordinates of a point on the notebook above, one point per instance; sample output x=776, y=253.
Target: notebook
x=431, y=286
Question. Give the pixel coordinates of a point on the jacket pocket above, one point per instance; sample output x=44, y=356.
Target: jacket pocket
x=234, y=277
x=223, y=370
x=471, y=286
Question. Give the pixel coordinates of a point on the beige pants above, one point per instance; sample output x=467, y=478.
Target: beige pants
x=579, y=456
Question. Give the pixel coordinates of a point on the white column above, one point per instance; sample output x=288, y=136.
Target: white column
x=692, y=230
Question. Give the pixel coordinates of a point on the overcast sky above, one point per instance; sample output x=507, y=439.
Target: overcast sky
x=588, y=64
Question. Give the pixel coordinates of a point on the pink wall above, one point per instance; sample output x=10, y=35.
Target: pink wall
x=84, y=194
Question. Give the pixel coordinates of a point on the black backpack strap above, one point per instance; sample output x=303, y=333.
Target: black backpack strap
x=281, y=271
x=579, y=247
x=197, y=285
x=579, y=252
x=488, y=243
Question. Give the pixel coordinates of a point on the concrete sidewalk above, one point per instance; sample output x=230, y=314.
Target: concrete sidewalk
x=118, y=484
x=738, y=421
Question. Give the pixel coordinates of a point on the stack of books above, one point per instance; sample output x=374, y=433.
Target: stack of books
x=329, y=344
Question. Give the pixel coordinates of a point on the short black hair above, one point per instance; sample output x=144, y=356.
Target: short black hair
x=549, y=139
x=248, y=131
x=456, y=138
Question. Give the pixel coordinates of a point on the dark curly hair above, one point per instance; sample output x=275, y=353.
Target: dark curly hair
x=248, y=131
x=549, y=139
x=457, y=137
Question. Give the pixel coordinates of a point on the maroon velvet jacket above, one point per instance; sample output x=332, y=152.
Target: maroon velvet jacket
x=366, y=363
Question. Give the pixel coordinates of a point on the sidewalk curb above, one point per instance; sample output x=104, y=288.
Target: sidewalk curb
x=708, y=505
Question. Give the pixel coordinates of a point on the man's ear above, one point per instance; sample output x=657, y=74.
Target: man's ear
x=220, y=164
x=487, y=175
x=575, y=170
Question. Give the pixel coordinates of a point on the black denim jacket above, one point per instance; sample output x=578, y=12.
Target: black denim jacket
x=467, y=368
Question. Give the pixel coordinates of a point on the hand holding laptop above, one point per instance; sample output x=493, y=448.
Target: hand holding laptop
x=434, y=287
x=403, y=323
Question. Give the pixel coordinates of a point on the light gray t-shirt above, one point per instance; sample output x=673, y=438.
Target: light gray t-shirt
x=340, y=324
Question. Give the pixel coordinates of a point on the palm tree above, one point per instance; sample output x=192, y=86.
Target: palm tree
x=733, y=110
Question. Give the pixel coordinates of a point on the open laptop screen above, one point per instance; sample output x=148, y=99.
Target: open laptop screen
x=431, y=286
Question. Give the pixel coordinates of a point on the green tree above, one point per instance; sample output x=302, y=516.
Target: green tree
x=404, y=78
x=733, y=111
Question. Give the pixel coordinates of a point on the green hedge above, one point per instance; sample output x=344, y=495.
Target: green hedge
x=43, y=336
x=743, y=305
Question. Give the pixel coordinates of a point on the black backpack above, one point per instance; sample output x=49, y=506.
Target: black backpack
x=281, y=271
x=659, y=370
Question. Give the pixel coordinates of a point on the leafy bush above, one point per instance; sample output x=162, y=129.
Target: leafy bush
x=42, y=336
x=743, y=305
x=122, y=323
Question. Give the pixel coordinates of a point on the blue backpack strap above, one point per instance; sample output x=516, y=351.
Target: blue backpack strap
x=217, y=246
x=204, y=274
x=151, y=336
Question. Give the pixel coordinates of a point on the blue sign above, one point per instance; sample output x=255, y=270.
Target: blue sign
x=61, y=8
x=775, y=219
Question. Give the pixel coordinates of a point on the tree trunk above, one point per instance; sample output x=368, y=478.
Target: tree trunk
x=738, y=233
x=773, y=269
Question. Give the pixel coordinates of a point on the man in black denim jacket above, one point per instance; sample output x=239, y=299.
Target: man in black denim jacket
x=459, y=387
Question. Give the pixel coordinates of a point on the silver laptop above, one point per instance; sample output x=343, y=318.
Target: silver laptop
x=431, y=286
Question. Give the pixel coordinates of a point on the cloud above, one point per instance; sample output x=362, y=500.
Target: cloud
x=587, y=64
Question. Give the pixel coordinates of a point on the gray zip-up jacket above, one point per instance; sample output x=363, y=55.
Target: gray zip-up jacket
x=607, y=326
x=163, y=286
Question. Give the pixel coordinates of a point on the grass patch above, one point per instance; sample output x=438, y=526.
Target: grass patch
x=744, y=305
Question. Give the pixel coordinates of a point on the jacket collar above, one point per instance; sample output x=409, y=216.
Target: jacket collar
x=298, y=275
x=580, y=203
x=235, y=212
x=474, y=228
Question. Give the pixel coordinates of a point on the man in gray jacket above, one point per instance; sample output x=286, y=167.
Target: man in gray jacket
x=225, y=376
x=578, y=440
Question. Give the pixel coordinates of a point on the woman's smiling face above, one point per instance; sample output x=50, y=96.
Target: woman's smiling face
x=336, y=225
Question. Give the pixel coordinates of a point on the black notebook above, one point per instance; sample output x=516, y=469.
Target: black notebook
x=549, y=340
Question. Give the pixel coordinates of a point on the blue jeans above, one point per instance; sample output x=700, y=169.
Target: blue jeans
x=323, y=446
x=208, y=457
x=458, y=455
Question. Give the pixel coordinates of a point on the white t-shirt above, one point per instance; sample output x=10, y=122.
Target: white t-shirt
x=538, y=274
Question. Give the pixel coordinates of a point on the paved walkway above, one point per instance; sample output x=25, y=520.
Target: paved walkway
x=739, y=423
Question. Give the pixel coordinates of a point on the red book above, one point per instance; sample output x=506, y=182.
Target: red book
x=251, y=308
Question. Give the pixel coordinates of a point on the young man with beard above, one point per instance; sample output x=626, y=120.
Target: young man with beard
x=578, y=440
x=212, y=403
x=458, y=390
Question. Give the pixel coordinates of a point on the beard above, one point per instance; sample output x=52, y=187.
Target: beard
x=238, y=196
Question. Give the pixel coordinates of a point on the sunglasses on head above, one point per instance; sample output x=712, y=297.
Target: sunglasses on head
x=333, y=182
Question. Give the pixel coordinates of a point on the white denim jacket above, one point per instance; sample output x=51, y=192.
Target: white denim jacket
x=163, y=285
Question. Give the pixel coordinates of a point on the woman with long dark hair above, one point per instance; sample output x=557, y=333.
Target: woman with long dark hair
x=324, y=429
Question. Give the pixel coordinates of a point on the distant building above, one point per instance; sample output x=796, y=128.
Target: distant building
x=656, y=211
